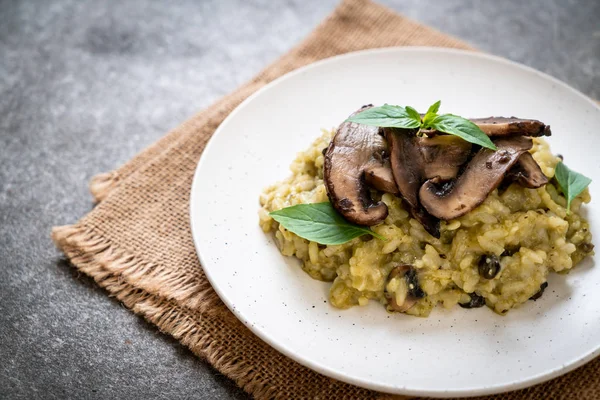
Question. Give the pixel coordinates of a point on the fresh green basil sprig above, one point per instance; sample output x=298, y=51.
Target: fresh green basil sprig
x=388, y=116
x=571, y=183
x=319, y=222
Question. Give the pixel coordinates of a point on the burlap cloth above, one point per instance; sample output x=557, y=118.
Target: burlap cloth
x=136, y=243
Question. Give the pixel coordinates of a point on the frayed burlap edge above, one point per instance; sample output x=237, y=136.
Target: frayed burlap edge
x=102, y=184
x=186, y=291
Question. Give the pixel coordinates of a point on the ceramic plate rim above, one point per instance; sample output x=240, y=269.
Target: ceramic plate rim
x=323, y=369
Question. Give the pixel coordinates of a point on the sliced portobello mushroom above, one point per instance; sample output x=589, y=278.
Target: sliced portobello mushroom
x=443, y=155
x=483, y=174
x=380, y=177
x=503, y=126
x=414, y=292
x=354, y=149
x=527, y=173
x=407, y=169
x=405, y=160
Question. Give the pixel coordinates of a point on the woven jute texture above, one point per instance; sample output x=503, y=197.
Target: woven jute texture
x=136, y=243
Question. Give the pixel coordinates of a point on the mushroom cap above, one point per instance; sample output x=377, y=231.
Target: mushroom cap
x=527, y=173
x=354, y=149
x=443, y=155
x=380, y=177
x=416, y=159
x=507, y=126
x=503, y=126
x=483, y=174
x=407, y=168
x=406, y=163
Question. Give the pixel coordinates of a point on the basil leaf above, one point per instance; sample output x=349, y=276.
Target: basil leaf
x=414, y=114
x=435, y=107
x=463, y=128
x=571, y=183
x=387, y=116
x=432, y=112
x=319, y=222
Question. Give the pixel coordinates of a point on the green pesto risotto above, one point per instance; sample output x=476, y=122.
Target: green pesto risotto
x=499, y=254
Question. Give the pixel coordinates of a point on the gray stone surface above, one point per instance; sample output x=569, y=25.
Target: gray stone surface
x=84, y=85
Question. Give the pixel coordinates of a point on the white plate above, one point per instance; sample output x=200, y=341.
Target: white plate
x=451, y=353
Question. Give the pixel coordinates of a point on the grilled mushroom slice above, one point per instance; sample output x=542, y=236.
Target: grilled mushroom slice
x=380, y=177
x=407, y=168
x=443, y=155
x=416, y=159
x=406, y=288
x=527, y=173
x=483, y=174
x=405, y=159
x=354, y=149
x=503, y=126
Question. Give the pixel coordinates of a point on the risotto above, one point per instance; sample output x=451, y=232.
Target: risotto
x=499, y=254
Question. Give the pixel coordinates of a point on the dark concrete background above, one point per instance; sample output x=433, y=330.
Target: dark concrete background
x=84, y=85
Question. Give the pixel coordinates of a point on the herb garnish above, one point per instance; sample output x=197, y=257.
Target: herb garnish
x=388, y=116
x=571, y=183
x=319, y=222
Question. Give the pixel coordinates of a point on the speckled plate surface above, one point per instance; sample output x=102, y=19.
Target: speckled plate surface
x=453, y=352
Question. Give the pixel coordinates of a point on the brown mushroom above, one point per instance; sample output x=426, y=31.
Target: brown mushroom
x=354, y=149
x=406, y=163
x=407, y=168
x=416, y=159
x=527, y=173
x=414, y=291
x=503, y=126
x=449, y=200
x=380, y=177
x=443, y=155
